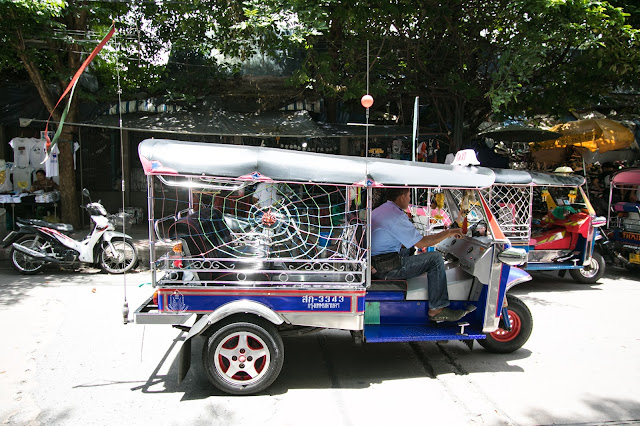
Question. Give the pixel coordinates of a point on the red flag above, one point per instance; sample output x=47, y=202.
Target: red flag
x=70, y=88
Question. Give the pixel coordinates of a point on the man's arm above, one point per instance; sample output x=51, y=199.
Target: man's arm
x=432, y=240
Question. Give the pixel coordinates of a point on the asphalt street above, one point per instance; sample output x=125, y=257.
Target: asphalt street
x=67, y=358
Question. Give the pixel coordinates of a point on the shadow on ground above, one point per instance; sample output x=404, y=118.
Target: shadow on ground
x=331, y=360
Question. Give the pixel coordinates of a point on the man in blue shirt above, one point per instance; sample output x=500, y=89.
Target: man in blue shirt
x=392, y=232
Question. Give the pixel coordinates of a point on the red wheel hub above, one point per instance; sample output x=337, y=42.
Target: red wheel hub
x=502, y=335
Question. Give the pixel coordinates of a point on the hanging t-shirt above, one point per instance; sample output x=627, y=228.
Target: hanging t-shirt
x=51, y=165
x=22, y=178
x=21, y=150
x=5, y=177
x=37, y=154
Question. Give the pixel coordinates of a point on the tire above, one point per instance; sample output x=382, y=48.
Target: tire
x=125, y=260
x=592, y=273
x=26, y=264
x=256, y=340
x=504, y=342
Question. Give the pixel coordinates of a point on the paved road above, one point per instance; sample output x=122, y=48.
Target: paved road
x=67, y=358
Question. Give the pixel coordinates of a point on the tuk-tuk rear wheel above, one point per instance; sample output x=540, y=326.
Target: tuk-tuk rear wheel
x=503, y=341
x=591, y=273
x=244, y=357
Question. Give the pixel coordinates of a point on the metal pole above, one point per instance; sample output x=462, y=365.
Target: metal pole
x=81, y=177
x=609, y=208
x=366, y=131
x=584, y=172
x=415, y=129
x=152, y=237
x=414, y=192
x=369, y=202
x=191, y=196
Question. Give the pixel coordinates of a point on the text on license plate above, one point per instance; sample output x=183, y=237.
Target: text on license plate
x=634, y=257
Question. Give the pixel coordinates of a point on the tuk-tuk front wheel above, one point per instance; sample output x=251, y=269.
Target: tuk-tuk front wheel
x=503, y=341
x=591, y=272
x=243, y=358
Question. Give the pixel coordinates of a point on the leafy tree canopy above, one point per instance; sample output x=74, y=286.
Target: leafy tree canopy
x=466, y=59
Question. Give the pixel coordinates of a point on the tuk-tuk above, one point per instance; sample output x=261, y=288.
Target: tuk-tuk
x=248, y=244
x=623, y=245
x=550, y=216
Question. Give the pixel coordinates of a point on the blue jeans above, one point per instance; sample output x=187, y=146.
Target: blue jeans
x=431, y=263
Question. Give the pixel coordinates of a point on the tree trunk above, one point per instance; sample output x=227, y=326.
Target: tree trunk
x=330, y=105
x=458, y=124
x=68, y=197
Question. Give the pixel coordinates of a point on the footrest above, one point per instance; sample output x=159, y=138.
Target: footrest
x=418, y=332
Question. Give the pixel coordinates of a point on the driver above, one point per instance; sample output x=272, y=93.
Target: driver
x=392, y=237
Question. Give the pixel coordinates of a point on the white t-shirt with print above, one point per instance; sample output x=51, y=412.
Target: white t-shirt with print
x=22, y=178
x=37, y=153
x=5, y=178
x=51, y=165
x=21, y=150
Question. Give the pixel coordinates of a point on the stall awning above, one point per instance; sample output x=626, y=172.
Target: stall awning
x=593, y=135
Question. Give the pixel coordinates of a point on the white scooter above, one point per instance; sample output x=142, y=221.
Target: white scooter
x=37, y=243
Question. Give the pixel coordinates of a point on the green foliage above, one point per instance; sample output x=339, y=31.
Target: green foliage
x=505, y=57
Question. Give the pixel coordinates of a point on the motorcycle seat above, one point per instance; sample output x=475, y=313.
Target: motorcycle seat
x=62, y=227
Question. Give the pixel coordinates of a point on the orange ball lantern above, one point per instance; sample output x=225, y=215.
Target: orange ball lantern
x=367, y=101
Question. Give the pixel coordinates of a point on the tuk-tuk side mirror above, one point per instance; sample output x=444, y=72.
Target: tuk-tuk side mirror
x=85, y=192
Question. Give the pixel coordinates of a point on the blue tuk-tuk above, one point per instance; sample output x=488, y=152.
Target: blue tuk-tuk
x=250, y=243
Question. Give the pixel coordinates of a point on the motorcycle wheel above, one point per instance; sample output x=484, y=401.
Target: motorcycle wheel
x=125, y=259
x=591, y=273
x=24, y=263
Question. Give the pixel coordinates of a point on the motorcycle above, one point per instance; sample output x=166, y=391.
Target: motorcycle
x=37, y=243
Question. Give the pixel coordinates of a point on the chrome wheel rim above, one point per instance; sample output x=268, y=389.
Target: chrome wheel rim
x=242, y=358
x=590, y=270
x=26, y=262
x=123, y=258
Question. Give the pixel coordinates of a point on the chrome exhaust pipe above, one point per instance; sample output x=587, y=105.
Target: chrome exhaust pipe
x=35, y=254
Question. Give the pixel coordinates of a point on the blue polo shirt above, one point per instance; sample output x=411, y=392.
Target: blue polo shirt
x=391, y=229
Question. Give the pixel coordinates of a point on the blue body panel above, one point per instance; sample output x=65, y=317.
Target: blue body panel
x=551, y=266
x=626, y=237
x=408, y=321
x=208, y=300
x=418, y=333
x=516, y=274
x=384, y=295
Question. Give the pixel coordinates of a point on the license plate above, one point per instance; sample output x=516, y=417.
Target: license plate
x=9, y=236
x=634, y=258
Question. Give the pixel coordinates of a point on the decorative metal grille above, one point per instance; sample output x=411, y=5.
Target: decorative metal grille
x=511, y=206
x=258, y=232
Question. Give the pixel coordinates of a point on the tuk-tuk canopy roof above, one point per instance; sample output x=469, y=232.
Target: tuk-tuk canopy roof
x=629, y=177
x=163, y=156
x=525, y=177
